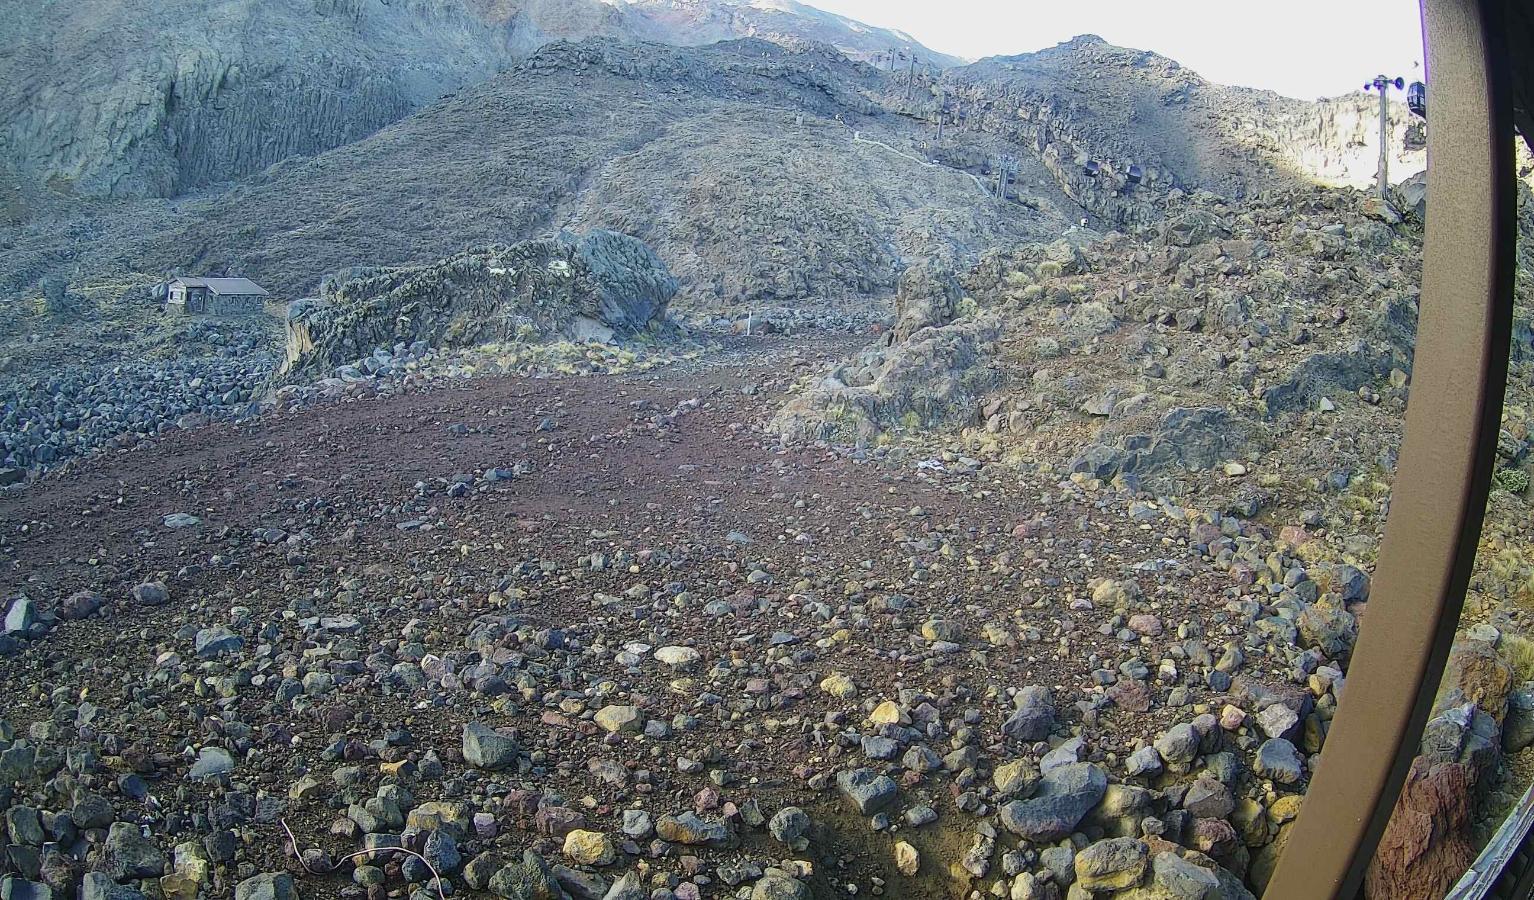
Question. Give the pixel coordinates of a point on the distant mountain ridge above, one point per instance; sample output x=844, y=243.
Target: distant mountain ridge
x=779, y=21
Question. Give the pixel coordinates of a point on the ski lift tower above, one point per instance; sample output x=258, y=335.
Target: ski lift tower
x=1383, y=84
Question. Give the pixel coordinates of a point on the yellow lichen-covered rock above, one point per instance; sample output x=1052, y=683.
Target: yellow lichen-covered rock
x=1251, y=822
x=1015, y=777
x=1286, y=808
x=440, y=814
x=178, y=886
x=589, y=848
x=839, y=686
x=1111, y=865
x=887, y=713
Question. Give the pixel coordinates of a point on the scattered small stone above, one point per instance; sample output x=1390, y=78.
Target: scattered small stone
x=1279, y=760
x=620, y=719
x=267, y=886
x=151, y=593
x=212, y=762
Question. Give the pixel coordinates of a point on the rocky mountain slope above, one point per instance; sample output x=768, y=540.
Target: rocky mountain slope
x=787, y=22
x=1251, y=357
x=1156, y=355
x=737, y=162
x=1048, y=591
x=761, y=174
x=1086, y=99
x=184, y=93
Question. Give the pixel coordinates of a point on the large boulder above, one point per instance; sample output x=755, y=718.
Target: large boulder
x=627, y=286
x=601, y=286
x=1411, y=196
x=1187, y=439
x=1194, y=227
x=1064, y=797
x=937, y=377
x=1328, y=375
x=1475, y=673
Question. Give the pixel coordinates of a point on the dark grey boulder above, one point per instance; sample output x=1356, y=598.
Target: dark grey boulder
x=1278, y=760
x=128, y=854
x=1064, y=797
x=216, y=641
x=630, y=285
x=1034, y=717
x=486, y=748
x=868, y=791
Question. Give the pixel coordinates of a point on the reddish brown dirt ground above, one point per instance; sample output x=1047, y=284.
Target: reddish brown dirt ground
x=630, y=469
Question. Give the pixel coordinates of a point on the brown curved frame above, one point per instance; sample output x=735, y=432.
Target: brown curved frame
x=1439, y=498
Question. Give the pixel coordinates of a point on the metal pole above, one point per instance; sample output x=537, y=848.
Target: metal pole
x=1384, y=174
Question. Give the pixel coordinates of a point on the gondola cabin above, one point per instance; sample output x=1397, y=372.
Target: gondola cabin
x=1416, y=98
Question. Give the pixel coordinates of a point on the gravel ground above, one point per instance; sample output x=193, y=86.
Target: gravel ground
x=366, y=578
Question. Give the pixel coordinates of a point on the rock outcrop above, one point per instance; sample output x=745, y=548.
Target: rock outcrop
x=181, y=96
x=601, y=287
x=1219, y=337
x=935, y=378
x=1086, y=100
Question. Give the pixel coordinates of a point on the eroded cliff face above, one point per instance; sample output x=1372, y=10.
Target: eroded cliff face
x=146, y=98
x=1337, y=140
x=1086, y=99
x=156, y=98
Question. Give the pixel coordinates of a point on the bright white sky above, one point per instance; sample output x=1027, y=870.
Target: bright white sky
x=1303, y=48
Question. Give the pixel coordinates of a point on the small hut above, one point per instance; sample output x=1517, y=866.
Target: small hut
x=215, y=295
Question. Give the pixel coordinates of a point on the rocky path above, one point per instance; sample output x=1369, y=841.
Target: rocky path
x=607, y=622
